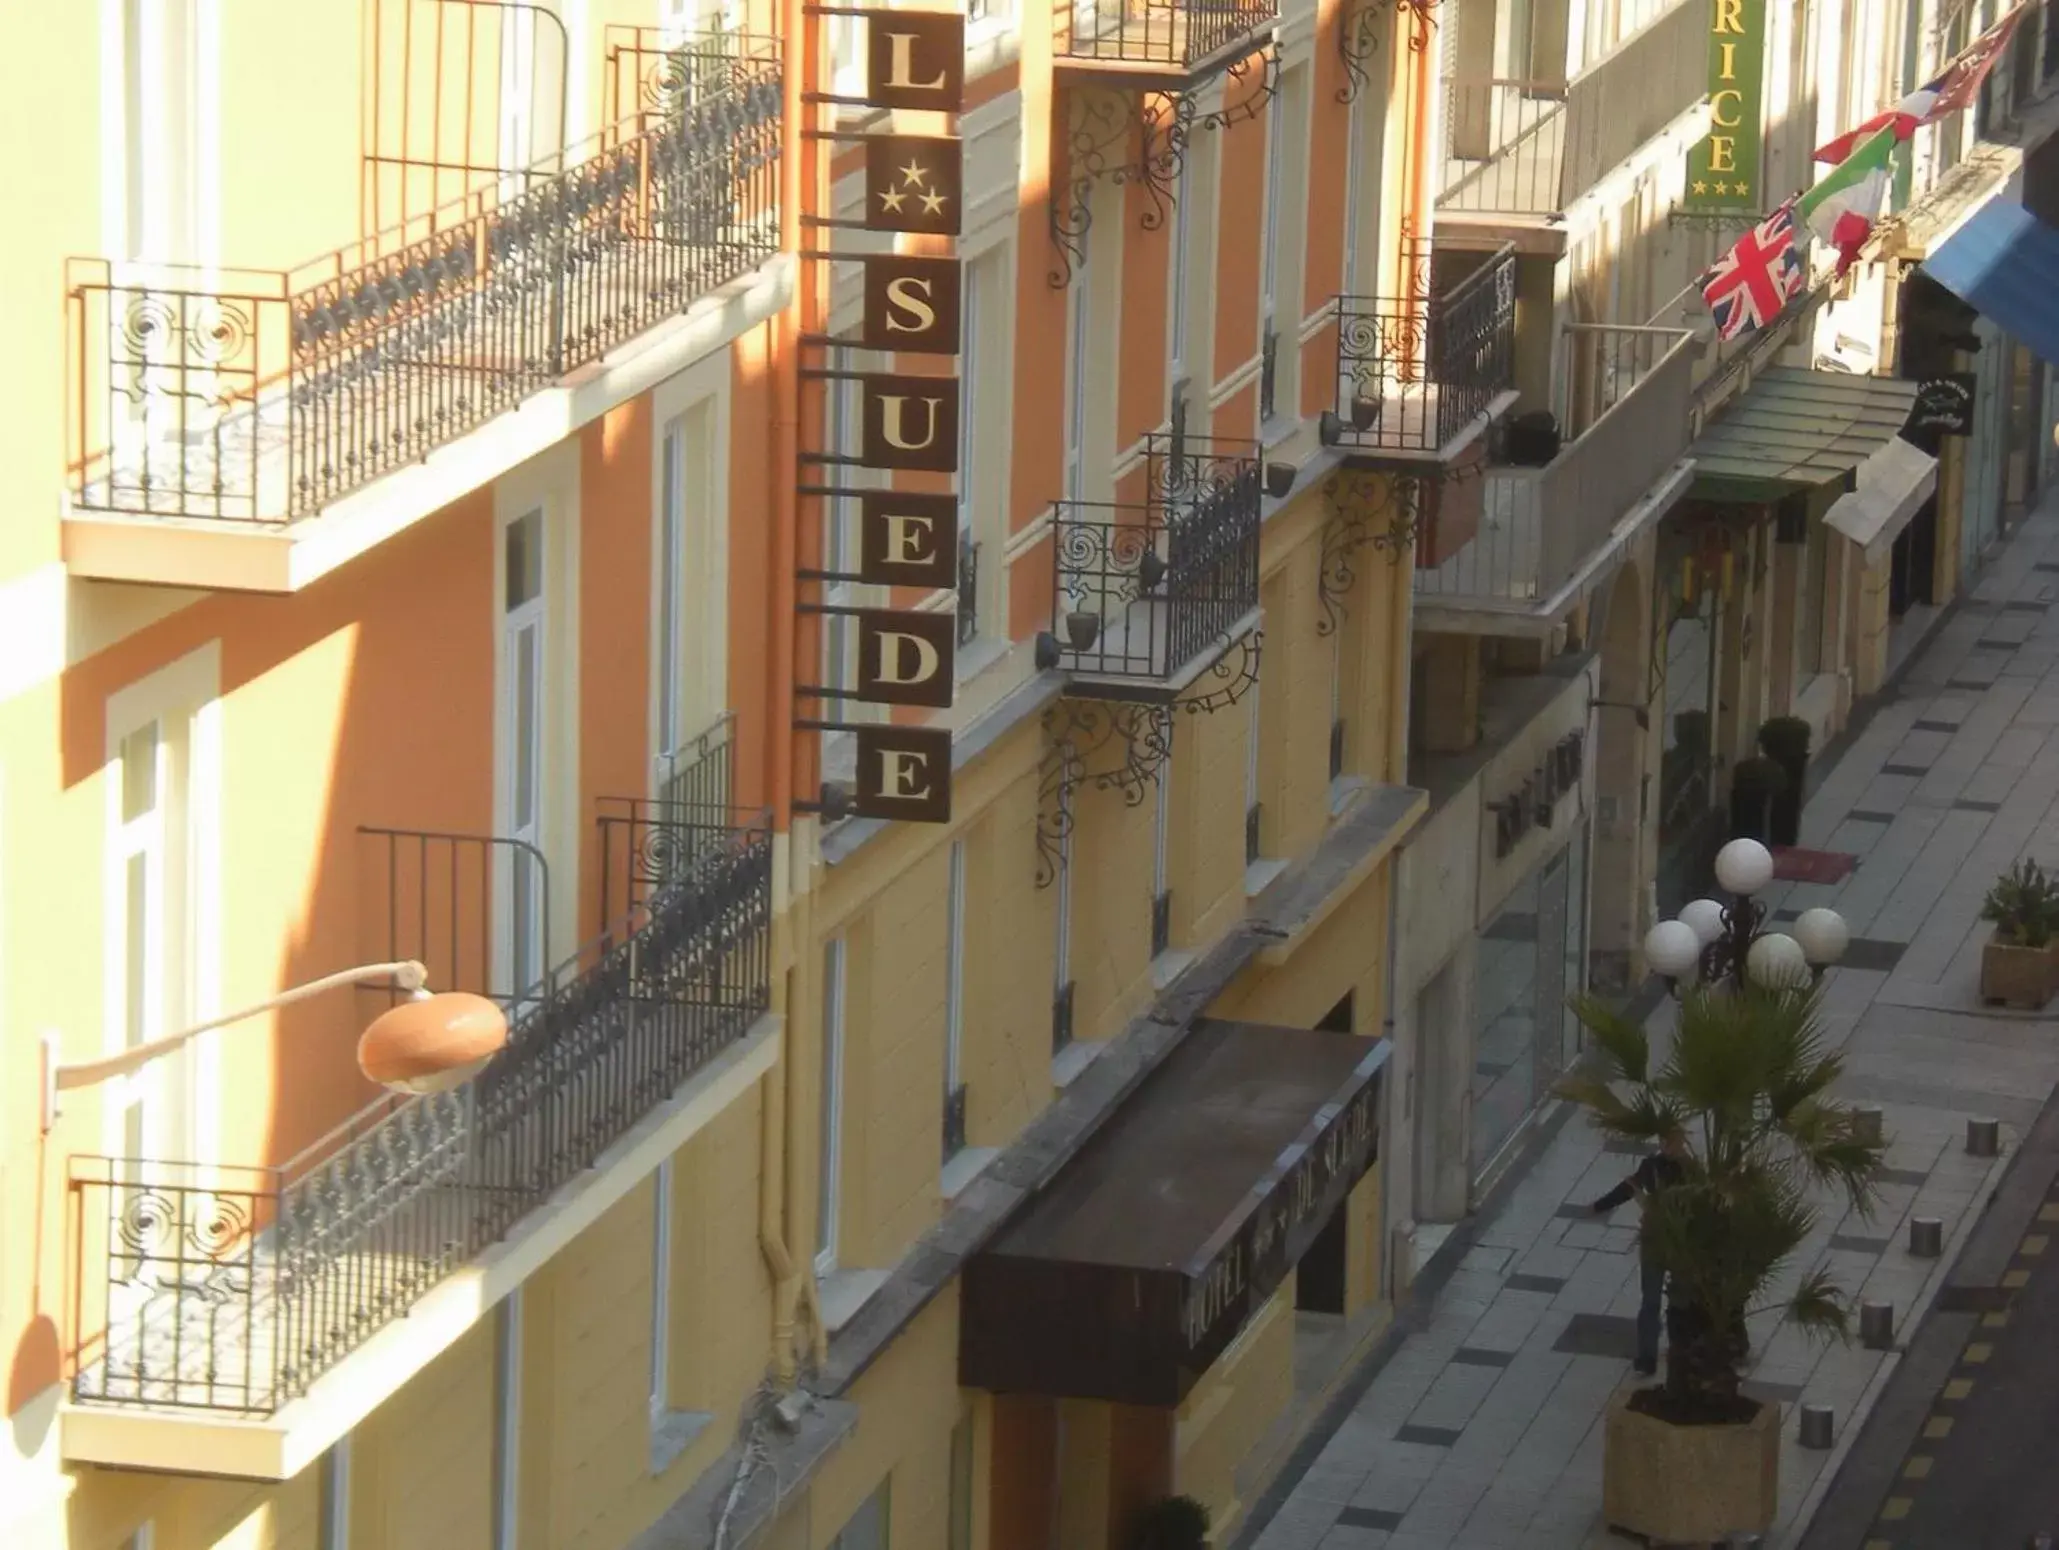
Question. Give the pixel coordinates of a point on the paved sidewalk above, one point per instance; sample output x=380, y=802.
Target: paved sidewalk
x=1482, y=1429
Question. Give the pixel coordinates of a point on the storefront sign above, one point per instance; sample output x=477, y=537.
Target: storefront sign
x=906, y=658
x=911, y=304
x=907, y=540
x=1273, y=1237
x=904, y=773
x=913, y=183
x=1944, y=405
x=916, y=59
x=1723, y=170
x=1534, y=804
x=908, y=422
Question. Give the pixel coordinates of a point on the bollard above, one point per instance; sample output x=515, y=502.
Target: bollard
x=1815, y=1427
x=1983, y=1137
x=1866, y=1125
x=1926, y=1237
x=1877, y=1325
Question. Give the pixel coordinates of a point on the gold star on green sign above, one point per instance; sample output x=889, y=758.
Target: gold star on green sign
x=1739, y=189
x=1722, y=188
x=1701, y=186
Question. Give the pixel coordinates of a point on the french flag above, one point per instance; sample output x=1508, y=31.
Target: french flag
x=1938, y=99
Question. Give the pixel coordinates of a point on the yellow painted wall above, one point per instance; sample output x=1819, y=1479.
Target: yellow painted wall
x=1230, y=1409
x=421, y=1466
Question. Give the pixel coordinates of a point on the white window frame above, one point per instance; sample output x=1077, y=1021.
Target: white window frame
x=954, y=969
x=661, y=1291
x=507, y=1422
x=1076, y=383
x=517, y=144
x=145, y=1536
x=332, y=1531
x=1252, y=743
x=1161, y=831
x=668, y=633
x=829, y=1170
x=1176, y=280
x=968, y=415
x=1354, y=160
x=525, y=955
x=1275, y=177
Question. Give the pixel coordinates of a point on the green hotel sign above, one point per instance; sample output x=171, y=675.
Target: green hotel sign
x=1723, y=170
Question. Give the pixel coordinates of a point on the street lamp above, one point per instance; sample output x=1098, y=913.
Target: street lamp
x=430, y=1042
x=1724, y=943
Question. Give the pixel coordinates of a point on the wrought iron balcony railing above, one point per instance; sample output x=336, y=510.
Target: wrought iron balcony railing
x=263, y=396
x=1415, y=373
x=1145, y=592
x=1627, y=391
x=1158, y=36
x=234, y=1289
x=1532, y=147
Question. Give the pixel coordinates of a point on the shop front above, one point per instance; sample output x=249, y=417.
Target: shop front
x=1140, y=1322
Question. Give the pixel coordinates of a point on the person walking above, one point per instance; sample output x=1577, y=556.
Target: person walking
x=1660, y=1169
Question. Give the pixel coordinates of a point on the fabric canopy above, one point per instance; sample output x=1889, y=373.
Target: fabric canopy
x=1893, y=484
x=2004, y=263
x=1795, y=429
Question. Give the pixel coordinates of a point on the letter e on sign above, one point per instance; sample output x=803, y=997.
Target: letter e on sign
x=908, y=422
x=907, y=540
x=911, y=304
x=906, y=658
x=904, y=773
x=916, y=59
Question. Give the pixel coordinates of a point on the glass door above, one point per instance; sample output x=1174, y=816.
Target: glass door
x=523, y=924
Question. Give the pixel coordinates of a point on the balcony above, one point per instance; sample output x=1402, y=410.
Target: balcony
x=1420, y=378
x=1547, y=533
x=253, y=1315
x=1530, y=149
x=220, y=421
x=1149, y=595
x=1158, y=43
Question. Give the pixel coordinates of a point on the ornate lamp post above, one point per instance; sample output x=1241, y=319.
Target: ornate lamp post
x=1722, y=943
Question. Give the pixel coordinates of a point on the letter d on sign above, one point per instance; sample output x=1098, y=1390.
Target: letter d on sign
x=906, y=658
x=904, y=773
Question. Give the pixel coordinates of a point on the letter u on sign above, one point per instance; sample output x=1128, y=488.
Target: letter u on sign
x=909, y=422
x=906, y=658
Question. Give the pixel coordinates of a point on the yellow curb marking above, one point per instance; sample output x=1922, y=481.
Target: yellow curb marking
x=1958, y=1388
x=1979, y=1351
x=1995, y=1320
x=1938, y=1427
x=2048, y=1213
x=1918, y=1467
x=2015, y=1278
x=1896, y=1508
x=2034, y=1245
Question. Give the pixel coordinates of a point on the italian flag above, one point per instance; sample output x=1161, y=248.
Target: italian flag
x=1904, y=118
x=1842, y=208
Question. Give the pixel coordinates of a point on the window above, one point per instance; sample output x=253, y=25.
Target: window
x=149, y=923
x=507, y=1420
x=332, y=1530
x=165, y=75
x=518, y=146
x=1354, y=161
x=1269, y=252
x=828, y=1194
x=867, y=1528
x=1176, y=279
x=1252, y=743
x=1336, y=703
x=661, y=1291
x=968, y=451
x=958, y=1528
x=1061, y=958
x=1161, y=894
x=1076, y=387
x=522, y=639
x=954, y=1004
x=668, y=645
x=145, y=1538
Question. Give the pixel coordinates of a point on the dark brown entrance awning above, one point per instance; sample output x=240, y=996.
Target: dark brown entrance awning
x=1128, y=1275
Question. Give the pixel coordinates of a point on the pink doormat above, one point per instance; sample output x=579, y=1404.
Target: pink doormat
x=1791, y=864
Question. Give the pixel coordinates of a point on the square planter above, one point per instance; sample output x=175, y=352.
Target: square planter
x=2016, y=976
x=1689, y=1484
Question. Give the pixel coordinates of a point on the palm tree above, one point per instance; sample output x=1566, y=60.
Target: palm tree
x=1746, y=1087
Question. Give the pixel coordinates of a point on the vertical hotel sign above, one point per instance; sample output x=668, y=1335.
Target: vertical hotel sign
x=1723, y=171
x=906, y=422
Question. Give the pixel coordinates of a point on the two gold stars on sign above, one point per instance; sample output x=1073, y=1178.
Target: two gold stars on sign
x=1740, y=188
x=914, y=177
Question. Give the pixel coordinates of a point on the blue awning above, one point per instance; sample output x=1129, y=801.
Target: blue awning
x=2004, y=263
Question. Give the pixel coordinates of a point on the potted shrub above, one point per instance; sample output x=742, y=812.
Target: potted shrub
x=1785, y=740
x=2016, y=963
x=1171, y=1523
x=1745, y=1093
x=1753, y=786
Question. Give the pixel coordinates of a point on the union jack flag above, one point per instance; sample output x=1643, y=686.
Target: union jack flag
x=1748, y=287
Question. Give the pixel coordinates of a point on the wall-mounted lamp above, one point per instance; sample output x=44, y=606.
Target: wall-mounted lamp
x=1330, y=426
x=1279, y=479
x=427, y=1043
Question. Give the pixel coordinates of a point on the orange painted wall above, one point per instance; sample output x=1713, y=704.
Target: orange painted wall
x=1140, y=394
x=1327, y=161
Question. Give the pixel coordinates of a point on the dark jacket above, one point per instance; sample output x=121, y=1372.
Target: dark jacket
x=1651, y=1176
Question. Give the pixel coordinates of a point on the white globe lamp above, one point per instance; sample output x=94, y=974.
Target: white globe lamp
x=1672, y=949
x=1744, y=866
x=1823, y=935
x=1705, y=918
x=1776, y=962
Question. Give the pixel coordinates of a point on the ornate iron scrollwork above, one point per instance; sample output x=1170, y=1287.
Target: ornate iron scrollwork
x=1384, y=510
x=1358, y=38
x=1099, y=126
x=1077, y=731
